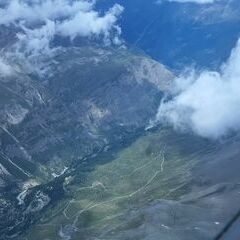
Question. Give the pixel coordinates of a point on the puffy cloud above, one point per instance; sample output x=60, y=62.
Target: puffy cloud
x=41, y=20
x=90, y=23
x=5, y=68
x=40, y=10
x=36, y=41
x=208, y=102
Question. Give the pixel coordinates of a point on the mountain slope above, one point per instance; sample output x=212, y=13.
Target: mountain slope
x=87, y=99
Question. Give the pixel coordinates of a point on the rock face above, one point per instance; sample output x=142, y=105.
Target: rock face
x=88, y=95
x=86, y=99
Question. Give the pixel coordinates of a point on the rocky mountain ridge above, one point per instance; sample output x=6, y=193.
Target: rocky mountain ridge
x=87, y=99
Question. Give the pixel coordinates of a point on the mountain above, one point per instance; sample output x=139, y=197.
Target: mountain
x=99, y=136
x=50, y=122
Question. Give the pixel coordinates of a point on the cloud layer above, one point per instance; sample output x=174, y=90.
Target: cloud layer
x=5, y=69
x=208, y=102
x=41, y=20
x=68, y=18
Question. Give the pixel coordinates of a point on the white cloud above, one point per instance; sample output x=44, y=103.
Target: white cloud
x=90, y=23
x=208, y=103
x=40, y=10
x=5, y=68
x=36, y=41
x=41, y=20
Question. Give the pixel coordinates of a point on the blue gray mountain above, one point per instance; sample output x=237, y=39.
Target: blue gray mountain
x=81, y=157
